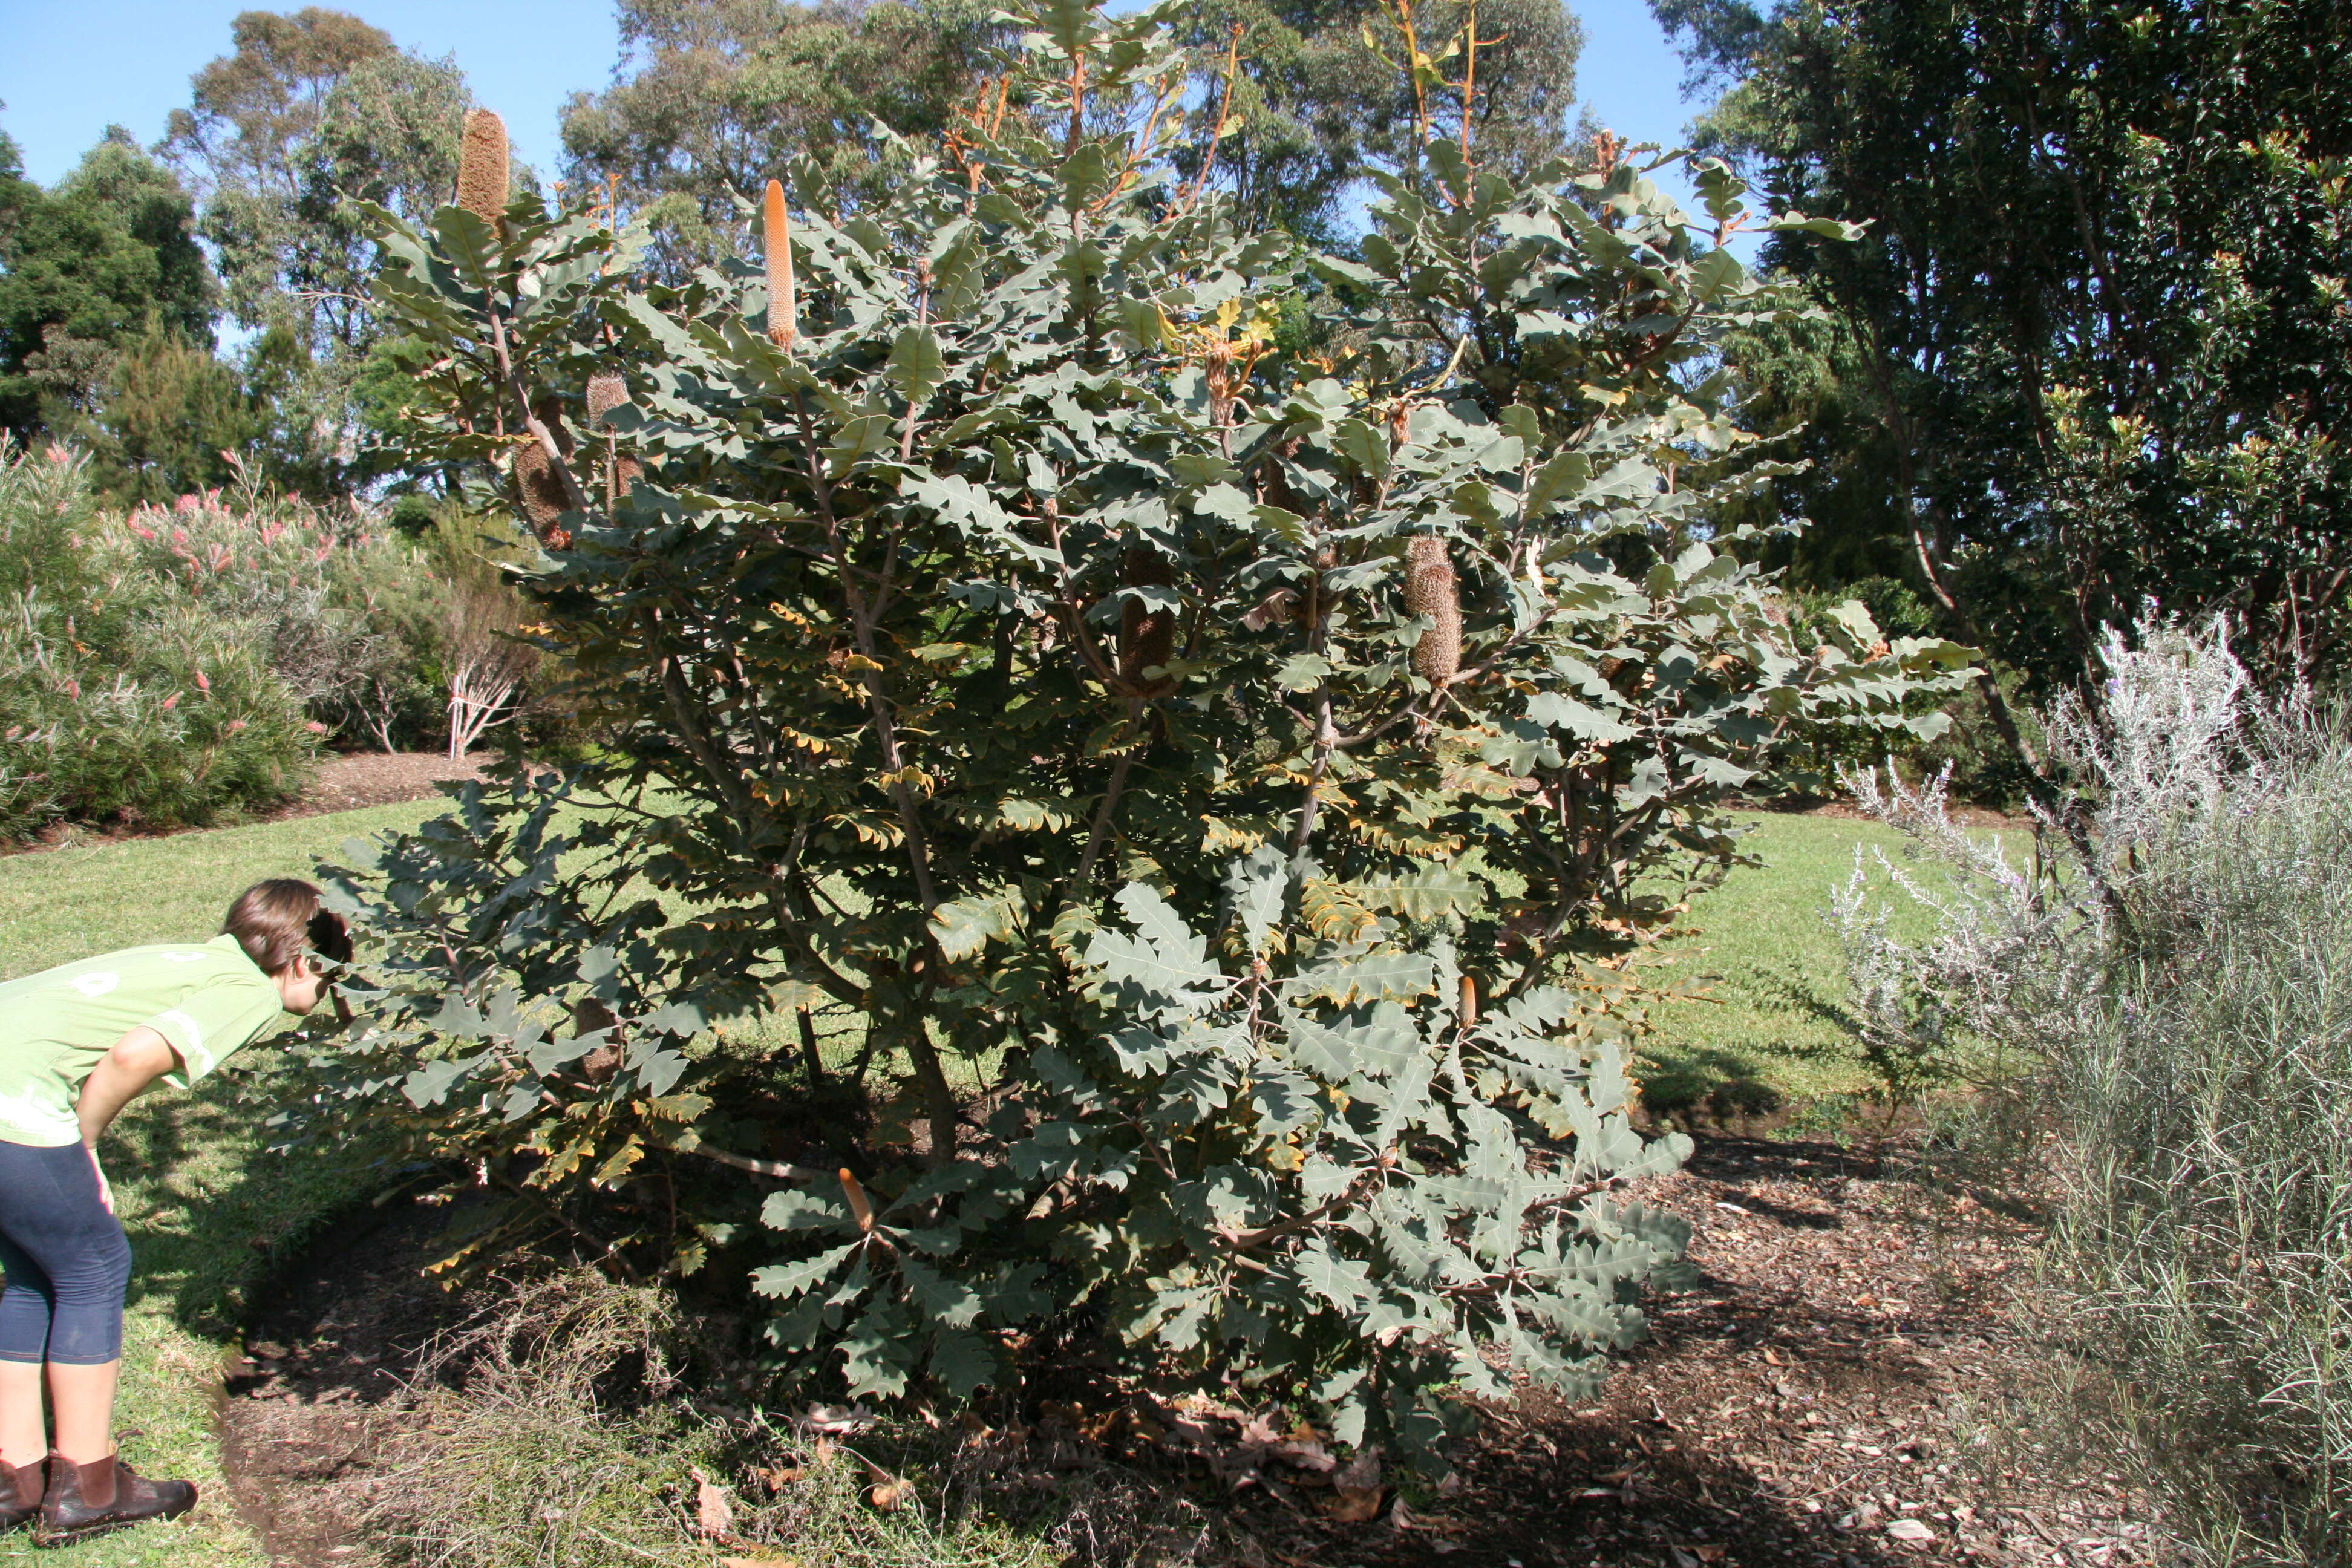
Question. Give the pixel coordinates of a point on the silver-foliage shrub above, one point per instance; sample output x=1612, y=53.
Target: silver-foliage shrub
x=2179, y=998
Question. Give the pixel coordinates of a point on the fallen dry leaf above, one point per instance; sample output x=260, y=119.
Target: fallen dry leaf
x=887, y=1493
x=1257, y=1433
x=1360, y=1473
x=714, y=1516
x=1308, y=1456
x=838, y=1418
x=777, y=1477
x=758, y=1563
x=1354, y=1505
x=1909, y=1530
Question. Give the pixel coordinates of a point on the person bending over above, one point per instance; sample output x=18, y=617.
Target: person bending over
x=76, y=1044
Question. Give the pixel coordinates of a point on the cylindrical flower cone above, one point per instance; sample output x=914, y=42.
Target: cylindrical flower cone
x=482, y=165
x=606, y=392
x=776, y=231
x=1147, y=637
x=1430, y=590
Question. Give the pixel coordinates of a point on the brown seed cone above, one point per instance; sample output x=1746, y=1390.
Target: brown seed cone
x=626, y=472
x=606, y=392
x=589, y=1015
x=1429, y=590
x=776, y=236
x=482, y=165
x=544, y=500
x=1146, y=638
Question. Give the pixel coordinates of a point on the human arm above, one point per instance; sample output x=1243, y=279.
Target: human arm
x=136, y=1060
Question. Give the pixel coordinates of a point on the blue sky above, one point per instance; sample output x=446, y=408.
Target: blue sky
x=74, y=67
x=70, y=67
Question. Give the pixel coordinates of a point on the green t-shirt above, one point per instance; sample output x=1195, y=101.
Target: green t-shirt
x=207, y=999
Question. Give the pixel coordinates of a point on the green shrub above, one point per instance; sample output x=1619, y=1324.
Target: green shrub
x=1956, y=732
x=1213, y=776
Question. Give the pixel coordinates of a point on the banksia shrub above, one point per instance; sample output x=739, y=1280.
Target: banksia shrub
x=482, y=165
x=776, y=232
x=1147, y=637
x=1429, y=590
x=1230, y=934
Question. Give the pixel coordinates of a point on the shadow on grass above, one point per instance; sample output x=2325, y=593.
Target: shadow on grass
x=1712, y=1083
x=210, y=1212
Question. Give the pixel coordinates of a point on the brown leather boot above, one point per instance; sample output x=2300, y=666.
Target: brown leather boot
x=103, y=1495
x=20, y=1494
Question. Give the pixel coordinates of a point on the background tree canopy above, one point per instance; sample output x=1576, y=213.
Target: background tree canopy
x=309, y=111
x=87, y=270
x=715, y=94
x=2088, y=354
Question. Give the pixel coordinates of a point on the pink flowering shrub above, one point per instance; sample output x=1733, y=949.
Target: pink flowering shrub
x=140, y=677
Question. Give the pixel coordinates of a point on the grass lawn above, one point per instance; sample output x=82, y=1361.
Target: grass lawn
x=1761, y=952
x=207, y=1211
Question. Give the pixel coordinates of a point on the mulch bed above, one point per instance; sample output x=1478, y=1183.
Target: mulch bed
x=379, y=778
x=1829, y=1396
x=1839, y=809
x=343, y=782
x=325, y=1380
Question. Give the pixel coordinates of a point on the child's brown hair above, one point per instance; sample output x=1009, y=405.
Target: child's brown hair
x=279, y=921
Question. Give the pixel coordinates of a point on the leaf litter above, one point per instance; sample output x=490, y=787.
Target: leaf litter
x=1820, y=1398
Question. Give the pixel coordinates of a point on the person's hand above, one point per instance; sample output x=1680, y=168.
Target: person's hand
x=105, y=1189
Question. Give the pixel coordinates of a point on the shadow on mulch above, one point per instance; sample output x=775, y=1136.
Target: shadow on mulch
x=1813, y=1402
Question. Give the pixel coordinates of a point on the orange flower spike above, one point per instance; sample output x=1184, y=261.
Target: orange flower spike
x=783, y=302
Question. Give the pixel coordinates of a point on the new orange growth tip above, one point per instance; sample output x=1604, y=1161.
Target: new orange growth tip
x=776, y=235
x=859, y=1209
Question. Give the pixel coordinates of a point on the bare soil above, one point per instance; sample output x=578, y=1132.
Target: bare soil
x=326, y=1380
x=1839, y=808
x=1842, y=1368
x=1830, y=1395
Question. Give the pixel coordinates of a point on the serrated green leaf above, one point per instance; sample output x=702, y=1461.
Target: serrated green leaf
x=917, y=366
x=787, y=1279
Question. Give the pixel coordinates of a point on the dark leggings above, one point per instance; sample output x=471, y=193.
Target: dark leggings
x=67, y=1260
